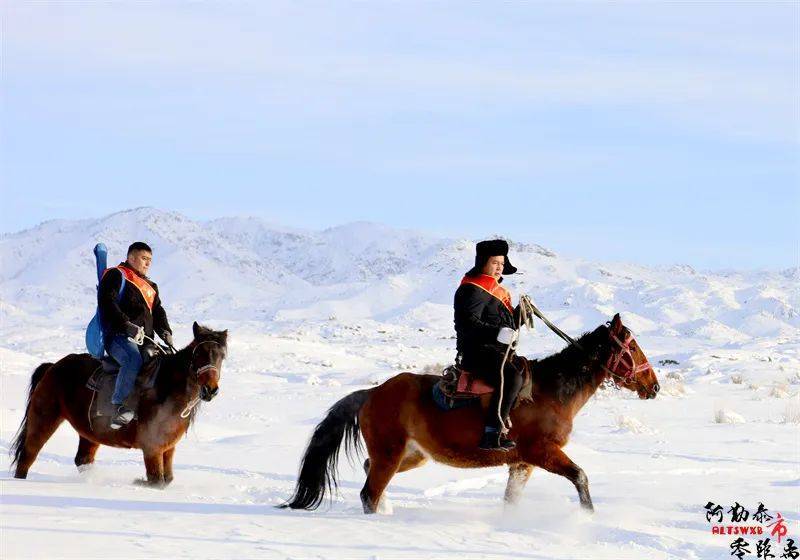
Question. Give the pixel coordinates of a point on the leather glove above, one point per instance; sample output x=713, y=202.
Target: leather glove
x=167, y=338
x=506, y=335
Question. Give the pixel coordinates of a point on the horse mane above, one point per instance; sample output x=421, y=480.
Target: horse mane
x=566, y=373
x=174, y=377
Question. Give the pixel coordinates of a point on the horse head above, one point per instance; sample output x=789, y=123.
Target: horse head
x=627, y=365
x=209, y=348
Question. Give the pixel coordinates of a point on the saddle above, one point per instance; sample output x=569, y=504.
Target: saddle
x=103, y=380
x=459, y=387
x=458, y=383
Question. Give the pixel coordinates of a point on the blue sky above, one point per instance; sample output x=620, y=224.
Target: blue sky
x=644, y=132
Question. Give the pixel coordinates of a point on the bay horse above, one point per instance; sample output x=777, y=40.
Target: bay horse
x=403, y=427
x=58, y=392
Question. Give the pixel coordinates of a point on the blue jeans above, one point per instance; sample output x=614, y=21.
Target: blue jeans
x=127, y=355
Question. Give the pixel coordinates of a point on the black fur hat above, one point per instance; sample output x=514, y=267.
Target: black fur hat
x=491, y=248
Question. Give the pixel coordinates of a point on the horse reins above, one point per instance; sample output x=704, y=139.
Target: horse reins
x=526, y=304
x=523, y=319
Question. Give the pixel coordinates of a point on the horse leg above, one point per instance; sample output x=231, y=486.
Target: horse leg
x=554, y=460
x=43, y=418
x=410, y=461
x=518, y=475
x=85, y=455
x=167, y=457
x=378, y=476
x=154, y=465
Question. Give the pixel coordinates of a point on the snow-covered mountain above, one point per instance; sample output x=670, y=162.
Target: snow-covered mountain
x=246, y=268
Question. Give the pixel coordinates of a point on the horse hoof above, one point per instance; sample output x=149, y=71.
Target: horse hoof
x=385, y=507
x=157, y=484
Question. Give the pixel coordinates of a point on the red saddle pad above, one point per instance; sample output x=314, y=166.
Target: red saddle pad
x=469, y=383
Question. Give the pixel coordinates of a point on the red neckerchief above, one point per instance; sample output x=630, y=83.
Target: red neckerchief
x=489, y=284
x=144, y=287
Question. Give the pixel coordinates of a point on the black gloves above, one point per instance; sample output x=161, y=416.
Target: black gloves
x=166, y=336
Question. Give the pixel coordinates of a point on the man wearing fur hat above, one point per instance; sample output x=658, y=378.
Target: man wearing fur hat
x=484, y=323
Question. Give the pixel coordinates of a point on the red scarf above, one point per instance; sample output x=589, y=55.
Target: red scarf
x=489, y=284
x=144, y=287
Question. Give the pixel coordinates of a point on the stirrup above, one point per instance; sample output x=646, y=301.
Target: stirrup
x=122, y=418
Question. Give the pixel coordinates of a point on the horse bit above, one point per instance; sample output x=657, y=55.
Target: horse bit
x=197, y=372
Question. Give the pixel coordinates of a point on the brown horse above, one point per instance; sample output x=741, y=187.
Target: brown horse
x=58, y=392
x=403, y=427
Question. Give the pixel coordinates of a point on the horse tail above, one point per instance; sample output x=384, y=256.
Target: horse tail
x=319, y=465
x=18, y=445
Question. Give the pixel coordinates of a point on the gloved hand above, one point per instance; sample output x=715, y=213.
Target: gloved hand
x=506, y=335
x=166, y=336
x=135, y=332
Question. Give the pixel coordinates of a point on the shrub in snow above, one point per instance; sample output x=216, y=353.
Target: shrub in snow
x=791, y=414
x=376, y=379
x=674, y=375
x=779, y=391
x=313, y=379
x=727, y=416
x=737, y=379
x=433, y=369
x=631, y=424
x=674, y=388
x=752, y=386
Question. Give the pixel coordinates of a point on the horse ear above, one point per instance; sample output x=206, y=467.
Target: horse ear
x=616, y=323
x=196, y=329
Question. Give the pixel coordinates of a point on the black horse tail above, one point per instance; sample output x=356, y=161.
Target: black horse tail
x=18, y=445
x=318, y=469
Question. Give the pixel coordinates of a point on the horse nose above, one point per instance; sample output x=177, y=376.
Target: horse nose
x=207, y=393
x=656, y=387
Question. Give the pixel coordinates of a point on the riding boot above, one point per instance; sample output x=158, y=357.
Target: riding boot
x=494, y=440
x=123, y=417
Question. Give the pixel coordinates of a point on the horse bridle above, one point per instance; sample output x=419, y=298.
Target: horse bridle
x=615, y=359
x=209, y=366
x=197, y=372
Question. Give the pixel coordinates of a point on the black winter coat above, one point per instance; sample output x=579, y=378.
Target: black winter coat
x=132, y=307
x=478, y=318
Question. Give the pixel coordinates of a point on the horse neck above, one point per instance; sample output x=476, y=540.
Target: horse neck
x=592, y=358
x=178, y=383
x=581, y=397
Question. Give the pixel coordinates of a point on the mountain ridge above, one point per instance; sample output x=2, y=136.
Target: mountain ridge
x=247, y=268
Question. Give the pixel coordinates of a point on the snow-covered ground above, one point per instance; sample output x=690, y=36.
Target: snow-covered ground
x=316, y=315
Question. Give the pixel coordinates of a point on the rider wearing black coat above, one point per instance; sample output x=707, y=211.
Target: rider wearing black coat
x=478, y=318
x=131, y=308
x=481, y=308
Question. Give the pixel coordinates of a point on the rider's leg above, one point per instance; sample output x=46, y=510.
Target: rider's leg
x=512, y=384
x=127, y=354
x=507, y=388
